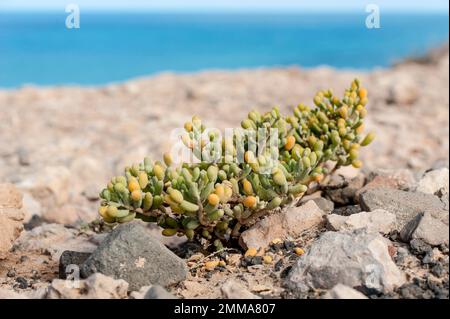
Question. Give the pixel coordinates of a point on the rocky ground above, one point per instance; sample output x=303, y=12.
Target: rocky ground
x=381, y=232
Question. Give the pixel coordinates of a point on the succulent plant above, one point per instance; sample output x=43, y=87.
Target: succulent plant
x=237, y=180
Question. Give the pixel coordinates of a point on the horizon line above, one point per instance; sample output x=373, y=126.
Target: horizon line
x=216, y=10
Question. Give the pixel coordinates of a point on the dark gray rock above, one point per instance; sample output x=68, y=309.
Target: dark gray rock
x=426, y=228
x=69, y=258
x=158, y=292
x=344, y=194
x=347, y=210
x=353, y=258
x=419, y=247
x=131, y=253
x=405, y=205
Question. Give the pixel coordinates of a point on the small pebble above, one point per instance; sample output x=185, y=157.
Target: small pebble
x=299, y=251
x=22, y=283
x=257, y=260
x=23, y=259
x=267, y=259
x=251, y=252
x=11, y=273
x=278, y=265
x=289, y=245
x=211, y=265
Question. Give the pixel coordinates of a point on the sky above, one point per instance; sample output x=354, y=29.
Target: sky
x=233, y=5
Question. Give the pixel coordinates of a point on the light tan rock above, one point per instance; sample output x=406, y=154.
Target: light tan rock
x=433, y=181
x=51, y=185
x=232, y=289
x=378, y=220
x=97, y=286
x=291, y=222
x=427, y=228
x=11, y=217
x=356, y=258
x=10, y=197
x=66, y=215
x=10, y=294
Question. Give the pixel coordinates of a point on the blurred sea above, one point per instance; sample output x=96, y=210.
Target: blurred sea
x=109, y=47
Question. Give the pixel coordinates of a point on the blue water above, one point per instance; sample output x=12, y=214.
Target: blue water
x=39, y=49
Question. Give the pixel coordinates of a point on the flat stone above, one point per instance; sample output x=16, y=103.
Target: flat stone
x=400, y=178
x=380, y=181
x=132, y=254
x=426, y=228
x=290, y=222
x=405, y=205
x=341, y=291
x=355, y=258
x=378, y=220
x=433, y=181
x=324, y=204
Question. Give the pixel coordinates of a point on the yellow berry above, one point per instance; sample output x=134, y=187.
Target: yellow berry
x=249, y=157
x=267, y=259
x=103, y=211
x=360, y=129
x=133, y=185
x=343, y=111
x=318, y=178
x=159, y=172
x=167, y=159
x=188, y=126
x=251, y=252
x=353, y=154
x=363, y=113
x=176, y=195
x=368, y=139
x=247, y=187
x=290, y=142
x=362, y=93
x=220, y=191
x=136, y=195
x=250, y=201
x=277, y=241
x=299, y=251
x=168, y=232
x=213, y=199
x=143, y=179
x=357, y=163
